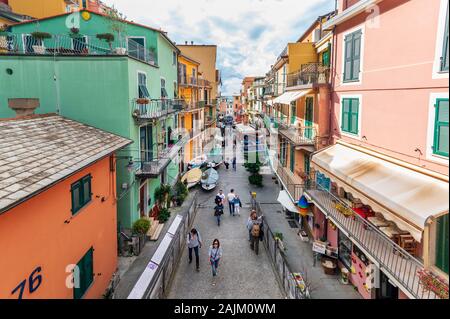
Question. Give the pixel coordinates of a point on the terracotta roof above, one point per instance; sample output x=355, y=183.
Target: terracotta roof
x=37, y=152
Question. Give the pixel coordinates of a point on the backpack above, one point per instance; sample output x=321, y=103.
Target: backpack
x=256, y=228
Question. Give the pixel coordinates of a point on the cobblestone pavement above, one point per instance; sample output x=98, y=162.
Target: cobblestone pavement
x=242, y=274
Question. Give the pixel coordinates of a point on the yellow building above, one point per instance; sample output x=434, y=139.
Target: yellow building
x=47, y=8
x=192, y=116
x=206, y=55
x=8, y=17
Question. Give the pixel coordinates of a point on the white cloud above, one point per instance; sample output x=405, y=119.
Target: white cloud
x=249, y=34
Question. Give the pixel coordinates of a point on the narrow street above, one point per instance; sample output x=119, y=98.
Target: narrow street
x=242, y=274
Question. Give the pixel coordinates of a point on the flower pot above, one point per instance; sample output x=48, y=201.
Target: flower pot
x=120, y=51
x=39, y=49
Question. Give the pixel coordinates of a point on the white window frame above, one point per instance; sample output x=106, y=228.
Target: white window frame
x=361, y=27
x=341, y=108
x=137, y=79
x=430, y=129
x=437, y=73
x=174, y=58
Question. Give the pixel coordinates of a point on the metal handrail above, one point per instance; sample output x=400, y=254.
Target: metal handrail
x=155, y=108
x=390, y=256
x=283, y=275
x=311, y=73
x=74, y=45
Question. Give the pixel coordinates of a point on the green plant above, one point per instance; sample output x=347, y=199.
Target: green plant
x=164, y=215
x=41, y=35
x=117, y=21
x=3, y=28
x=141, y=226
x=279, y=236
x=108, y=37
x=256, y=179
x=162, y=195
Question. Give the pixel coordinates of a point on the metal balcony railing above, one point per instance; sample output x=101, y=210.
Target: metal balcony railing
x=154, y=167
x=300, y=135
x=144, y=109
x=204, y=83
x=391, y=258
x=293, y=184
x=74, y=45
x=309, y=74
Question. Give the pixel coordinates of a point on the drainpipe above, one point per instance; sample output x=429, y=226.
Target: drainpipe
x=332, y=74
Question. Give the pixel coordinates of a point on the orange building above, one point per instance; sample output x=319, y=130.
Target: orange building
x=57, y=208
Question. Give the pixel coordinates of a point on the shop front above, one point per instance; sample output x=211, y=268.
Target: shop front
x=374, y=211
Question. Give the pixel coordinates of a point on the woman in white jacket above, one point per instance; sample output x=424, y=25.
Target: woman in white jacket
x=215, y=253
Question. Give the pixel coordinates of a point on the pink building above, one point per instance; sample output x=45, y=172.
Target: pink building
x=381, y=194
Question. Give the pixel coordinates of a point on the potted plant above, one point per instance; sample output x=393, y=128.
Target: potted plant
x=142, y=100
x=39, y=47
x=118, y=25
x=164, y=215
x=108, y=37
x=279, y=239
x=140, y=229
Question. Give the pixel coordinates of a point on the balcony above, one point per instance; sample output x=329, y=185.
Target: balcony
x=193, y=106
x=310, y=74
x=291, y=182
x=65, y=45
x=144, y=110
x=401, y=267
x=155, y=167
x=204, y=83
x=303, y=134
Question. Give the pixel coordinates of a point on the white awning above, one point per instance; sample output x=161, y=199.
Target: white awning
x=286, y=201
x=289, y=96
x=405, y=194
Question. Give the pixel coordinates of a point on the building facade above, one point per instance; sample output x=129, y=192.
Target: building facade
x=67, y=247
x=126, y=87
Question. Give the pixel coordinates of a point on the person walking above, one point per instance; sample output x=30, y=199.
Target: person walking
x=194, y=242
x=220, y=196
x=218, y=211
x=234, y=163
x=230, y=197
x=215, y=253
x=254, y=225
x=237, y=205
x=227, y=163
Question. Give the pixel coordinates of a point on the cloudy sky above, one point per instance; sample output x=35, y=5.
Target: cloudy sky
x=250, y=34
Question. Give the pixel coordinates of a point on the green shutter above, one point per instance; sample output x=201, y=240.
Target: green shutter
x=354, y=116
x=442, y=243
x=356, y=63
x=441, y=129
x=352, y=58
x=81, y=193
x=345, y=115
x=76, y=196
x=444, y=58
x=326, y=57
x=86, y=274
x=348, y=58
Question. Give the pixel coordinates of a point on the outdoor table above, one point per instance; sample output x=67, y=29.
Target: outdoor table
x=378, y=222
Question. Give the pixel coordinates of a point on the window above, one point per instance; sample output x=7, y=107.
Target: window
x=345, y=250
x=350, y=115
x=85, y=274
x=292, y=159
x=142, y=86
x=352, y=56
x=28, y=43
x=444, y=57
x=326, y=56
x=440, y=143
x=174, y=58
x=81, y=193
x=163, y=88
x=79, y=45
x=323, y=181
x=136, y=48
x=175, y=89
x=442, y=243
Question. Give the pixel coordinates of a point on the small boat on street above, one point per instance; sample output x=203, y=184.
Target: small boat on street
x=192, y=177
x=209, y=179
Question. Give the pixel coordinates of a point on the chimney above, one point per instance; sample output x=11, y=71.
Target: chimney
x=23, y=107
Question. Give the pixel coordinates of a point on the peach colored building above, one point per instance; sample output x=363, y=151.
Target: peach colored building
x=389, y=166
x=58, y=210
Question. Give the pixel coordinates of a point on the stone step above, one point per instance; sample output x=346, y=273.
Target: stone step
x=157, y=232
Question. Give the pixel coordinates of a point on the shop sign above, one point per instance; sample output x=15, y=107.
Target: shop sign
x=319, y=247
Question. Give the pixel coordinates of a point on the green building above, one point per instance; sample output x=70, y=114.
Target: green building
x=126, y=85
